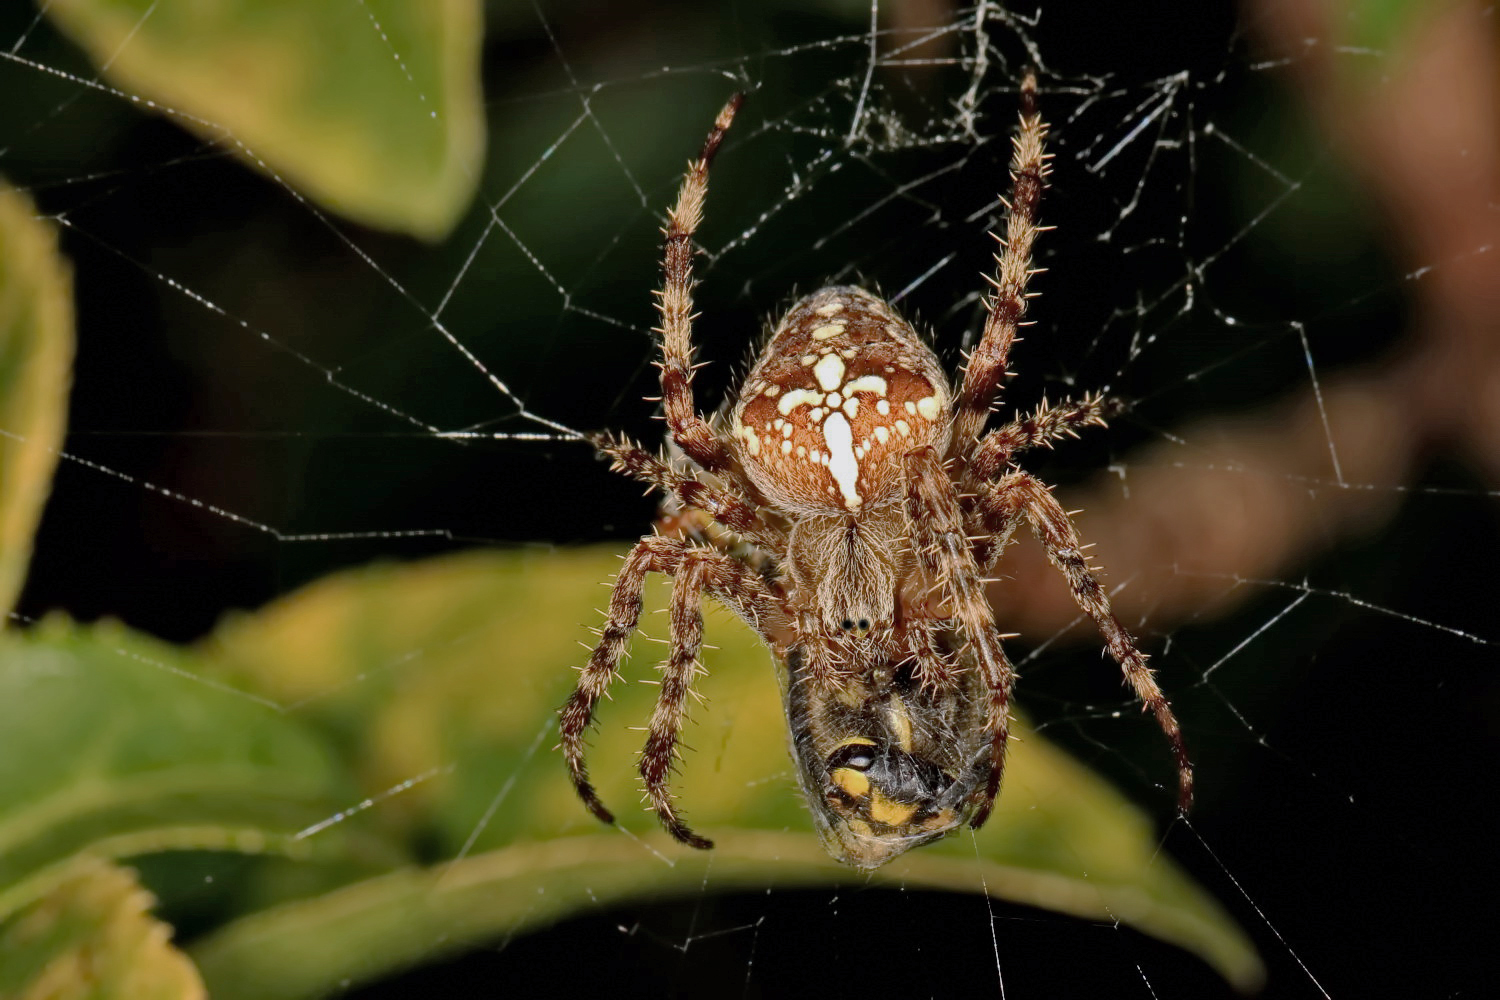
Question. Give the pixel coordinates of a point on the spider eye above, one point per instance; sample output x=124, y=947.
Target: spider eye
x=847, y=624
x=864, y=624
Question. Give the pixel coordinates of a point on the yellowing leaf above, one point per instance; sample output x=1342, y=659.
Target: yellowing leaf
x=93, y=938
x=36, y=355
x=372, y=108
x=451, y=671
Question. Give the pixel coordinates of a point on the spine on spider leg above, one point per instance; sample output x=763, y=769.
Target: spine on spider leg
x=987, y=365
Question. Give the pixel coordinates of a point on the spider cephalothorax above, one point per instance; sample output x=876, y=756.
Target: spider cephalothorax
x=849, y=515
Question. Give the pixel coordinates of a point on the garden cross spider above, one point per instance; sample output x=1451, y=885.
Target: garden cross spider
x=850, y=515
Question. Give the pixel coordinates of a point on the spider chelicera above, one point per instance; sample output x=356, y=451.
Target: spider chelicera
x=849, y=513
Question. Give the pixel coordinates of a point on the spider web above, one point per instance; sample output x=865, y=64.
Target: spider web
x=264, y=395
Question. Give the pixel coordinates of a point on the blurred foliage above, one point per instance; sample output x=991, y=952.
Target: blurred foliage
x=36, y=353
x=93, y=938
x=429, y=680
x=1379, y=27
x=114, y=744
x=398, y=151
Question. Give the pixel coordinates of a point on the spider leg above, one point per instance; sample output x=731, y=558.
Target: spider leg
x=1023, y=492
x=933, y=670
x=658, y=758
x=942, y=550
x=737, y=586
x=992, y=521
x=724, y=506
x=987, y=365
x=822, y=665
x=694, y=435
x=1041, y=429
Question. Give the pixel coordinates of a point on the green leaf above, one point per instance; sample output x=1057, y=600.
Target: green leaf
x=93, y=938
x=113, y=745
x=372, y=108
x=450, y=672
x=36, y=354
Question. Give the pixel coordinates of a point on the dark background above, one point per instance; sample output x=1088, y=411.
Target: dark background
x=1347, y=759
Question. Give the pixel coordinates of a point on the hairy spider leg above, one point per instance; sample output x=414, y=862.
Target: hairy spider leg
x=694, y=435
x=1020, y=493
x=933, y=669
x=660, y=755
x=1042, y=428
x=724, y=506
x=941, y=546
x=987, y=366
x=696, y=571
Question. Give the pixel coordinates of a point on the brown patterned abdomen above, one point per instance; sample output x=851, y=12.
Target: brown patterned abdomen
x=844, y=388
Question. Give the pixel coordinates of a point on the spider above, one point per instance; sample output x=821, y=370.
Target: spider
x=849, y=514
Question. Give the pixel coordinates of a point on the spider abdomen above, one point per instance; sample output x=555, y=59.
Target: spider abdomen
x=843, y=389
